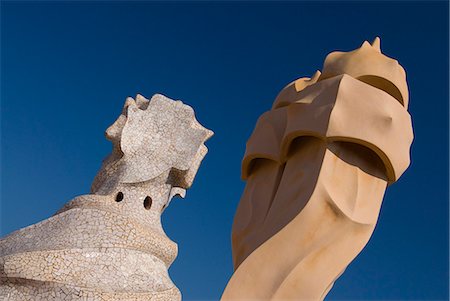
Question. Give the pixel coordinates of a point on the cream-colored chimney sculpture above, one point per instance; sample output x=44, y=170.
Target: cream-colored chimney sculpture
x=317, y=166
x=110, y=245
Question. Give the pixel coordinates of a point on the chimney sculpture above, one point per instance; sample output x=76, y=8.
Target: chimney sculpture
x=110, y=245
x=317, y=166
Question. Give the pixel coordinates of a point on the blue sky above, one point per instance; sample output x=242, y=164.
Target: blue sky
x=67, y=67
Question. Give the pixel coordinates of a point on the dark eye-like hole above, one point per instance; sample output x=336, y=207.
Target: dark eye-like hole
x=148, y=202
x=119, y=196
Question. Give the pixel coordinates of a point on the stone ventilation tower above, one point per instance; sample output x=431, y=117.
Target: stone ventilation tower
x=110, y=245
x=317, y=166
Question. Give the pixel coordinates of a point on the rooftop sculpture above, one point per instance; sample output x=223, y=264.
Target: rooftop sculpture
x=317, y=166
x=110, y=245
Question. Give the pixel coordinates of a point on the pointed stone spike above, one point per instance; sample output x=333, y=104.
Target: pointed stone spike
x=142, y=102
x=315, y=76
x=129, y=101
x=141, y=98
x=376, y=44
x=365, y=44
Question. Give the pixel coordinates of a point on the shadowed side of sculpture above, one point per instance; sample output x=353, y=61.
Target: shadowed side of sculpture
x=110, y=245
x=317, y=166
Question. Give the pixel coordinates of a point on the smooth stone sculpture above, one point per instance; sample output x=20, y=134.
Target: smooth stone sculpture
x=110, y=245
x=317, y=166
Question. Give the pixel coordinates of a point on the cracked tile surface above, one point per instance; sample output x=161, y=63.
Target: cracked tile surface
x=110, y=244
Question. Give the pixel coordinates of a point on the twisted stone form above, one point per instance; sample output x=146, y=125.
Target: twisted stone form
x=110, y=245
x=317, y=166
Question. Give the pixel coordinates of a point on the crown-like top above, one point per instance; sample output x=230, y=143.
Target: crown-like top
x=368, y=64
x=149, y=138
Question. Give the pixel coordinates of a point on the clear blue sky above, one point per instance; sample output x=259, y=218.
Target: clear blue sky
x=67, y=67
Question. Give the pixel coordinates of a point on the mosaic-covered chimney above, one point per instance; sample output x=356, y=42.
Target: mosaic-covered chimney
x=110, y=244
